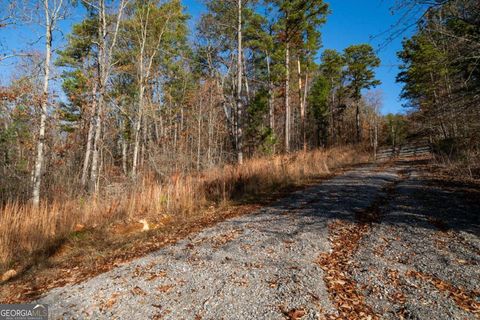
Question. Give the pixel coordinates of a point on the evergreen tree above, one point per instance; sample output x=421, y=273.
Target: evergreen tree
x=332, y=69
x=360, y=61
x=318, y=102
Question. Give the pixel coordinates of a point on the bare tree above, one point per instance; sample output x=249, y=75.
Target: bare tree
x=239, y=86
x=149, y=49
x=374, y=101
x=287, y=97
x=53, y=12
x=106, y=44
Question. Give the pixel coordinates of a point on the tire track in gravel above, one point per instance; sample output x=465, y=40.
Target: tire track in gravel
x=345, y=238
x=420, y=261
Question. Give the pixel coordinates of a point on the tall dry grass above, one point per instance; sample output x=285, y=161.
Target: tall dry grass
x=25, y=230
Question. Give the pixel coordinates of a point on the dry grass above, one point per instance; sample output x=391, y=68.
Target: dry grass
x=28, y=232
x=466, y=166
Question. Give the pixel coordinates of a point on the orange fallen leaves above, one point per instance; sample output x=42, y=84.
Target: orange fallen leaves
x=110, y=302
x=154, y=275
x=350, y=303
x=464, y=299
x=222, y=239
x=296, y=314
x=292, y=314
x=137, y=291
x=165, y=288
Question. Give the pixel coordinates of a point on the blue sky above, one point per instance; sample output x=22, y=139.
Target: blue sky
x=351, y=22
x=357, y=21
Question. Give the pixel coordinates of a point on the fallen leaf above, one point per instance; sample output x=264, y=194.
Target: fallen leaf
x=137, y=291
x=296, y=314
x=9, y=275
x=165, y=288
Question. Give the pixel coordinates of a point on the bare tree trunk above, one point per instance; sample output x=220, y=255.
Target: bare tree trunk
x=302, y=106
x=39, y=161
x=287, y=97
x=104, y=68
x=102, y=61
x=305, y=108
x=124, y=155
x=239, y=87
x=144, y=145
x=141, y=92
x=210, y=128
x=88, y=150
x=375, y=137
x=245, y=80
x=199, y=134
x=138, y=126
x=357, y=122
x=271, y=111
x=96, y=145
x=145, y=66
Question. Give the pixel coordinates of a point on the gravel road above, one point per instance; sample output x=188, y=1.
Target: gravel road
x=266, y=265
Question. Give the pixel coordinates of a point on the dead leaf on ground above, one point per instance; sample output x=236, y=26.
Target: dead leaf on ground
x=110, y=302
x=137, y=291
x=159, y=274
x=8, y=275
x=295, y=314
x=165, y=288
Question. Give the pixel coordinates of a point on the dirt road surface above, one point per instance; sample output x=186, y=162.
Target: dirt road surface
x=377, y=242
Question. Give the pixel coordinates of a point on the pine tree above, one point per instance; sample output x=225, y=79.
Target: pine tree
x=332, y=69
x=360, y=61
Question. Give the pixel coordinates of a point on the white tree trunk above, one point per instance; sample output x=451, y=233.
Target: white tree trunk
x=104, y=55
x=102, y=80
x=91, y=127
x=271, y=111
x=302, y=106
x=138, y=126
x=39, y=161
x=144, y=70
x=96, y=145
x=287, y=97
x=239, y=87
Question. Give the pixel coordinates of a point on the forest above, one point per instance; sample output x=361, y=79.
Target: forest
x=137, y=95
x=140, y=112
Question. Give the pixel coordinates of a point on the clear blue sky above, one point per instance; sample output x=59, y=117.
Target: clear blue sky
x=351, y=22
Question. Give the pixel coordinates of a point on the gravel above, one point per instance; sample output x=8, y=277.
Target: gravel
x=264, y=265
x=428, y=229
